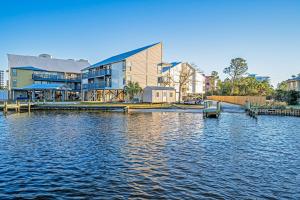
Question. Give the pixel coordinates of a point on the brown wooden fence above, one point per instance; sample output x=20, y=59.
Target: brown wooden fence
x=240, y=100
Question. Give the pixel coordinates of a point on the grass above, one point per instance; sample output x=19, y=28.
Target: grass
x=145, y=105
x=294, y=107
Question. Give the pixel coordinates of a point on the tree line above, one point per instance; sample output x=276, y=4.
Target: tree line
x=237, y=84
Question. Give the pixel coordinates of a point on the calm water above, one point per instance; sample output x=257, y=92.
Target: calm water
x=149, y=155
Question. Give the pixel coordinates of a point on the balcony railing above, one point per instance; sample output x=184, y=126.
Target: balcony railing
x=51, y=77
x=94, y=86
x=99, y=73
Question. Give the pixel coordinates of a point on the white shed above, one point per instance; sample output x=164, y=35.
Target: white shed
x=156, y=94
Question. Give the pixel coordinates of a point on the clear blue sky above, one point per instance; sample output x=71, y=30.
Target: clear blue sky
x=207, y=32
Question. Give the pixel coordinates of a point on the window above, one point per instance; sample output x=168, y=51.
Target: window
x=165, y=94
x=14, y=83
x=157, y=94
x=14, y=72
x=171, y=94
x=124, y=66
x=129, y=78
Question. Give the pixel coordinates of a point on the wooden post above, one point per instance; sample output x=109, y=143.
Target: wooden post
x=218, y=106
x=18, y=108
x=5, y=107
x=29, y=106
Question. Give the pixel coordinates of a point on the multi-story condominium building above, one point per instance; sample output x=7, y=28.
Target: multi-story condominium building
x=45, y=78
x=187, y=81
x=294, y=84
x=106, y=80
x=1, y=79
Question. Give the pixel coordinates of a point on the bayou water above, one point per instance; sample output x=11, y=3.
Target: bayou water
x=148, y=155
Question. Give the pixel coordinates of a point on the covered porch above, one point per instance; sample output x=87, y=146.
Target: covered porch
x=104, y=95
x=47, y=92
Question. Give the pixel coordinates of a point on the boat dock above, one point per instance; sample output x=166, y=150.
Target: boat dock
x=27, y=107
x=210, y=110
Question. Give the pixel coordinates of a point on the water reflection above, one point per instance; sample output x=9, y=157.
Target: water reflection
x=149, y=155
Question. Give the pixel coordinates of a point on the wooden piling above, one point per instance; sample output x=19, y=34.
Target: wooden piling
x=29, y=106
x=5, y=107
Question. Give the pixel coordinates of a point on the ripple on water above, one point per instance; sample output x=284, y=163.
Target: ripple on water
x=149, y=155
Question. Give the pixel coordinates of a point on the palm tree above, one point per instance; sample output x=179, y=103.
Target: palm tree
x=132, y=89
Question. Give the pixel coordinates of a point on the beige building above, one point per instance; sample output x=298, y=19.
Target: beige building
x=294, y=84
x=155, y=94
x=105, y=80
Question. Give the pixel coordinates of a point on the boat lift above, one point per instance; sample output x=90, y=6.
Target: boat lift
x=211, y=109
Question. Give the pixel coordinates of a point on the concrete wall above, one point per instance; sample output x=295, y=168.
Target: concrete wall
x=240, y=100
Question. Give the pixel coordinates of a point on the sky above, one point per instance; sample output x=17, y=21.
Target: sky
x=208, y=33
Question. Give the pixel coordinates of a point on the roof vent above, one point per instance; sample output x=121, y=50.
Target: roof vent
x=44, y=55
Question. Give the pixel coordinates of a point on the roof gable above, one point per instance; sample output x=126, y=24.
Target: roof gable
x=173, y=64
x=121, y=56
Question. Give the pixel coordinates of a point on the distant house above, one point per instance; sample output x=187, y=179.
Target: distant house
x=45, y=78
x=171, y=74
x=260, y=78
x=294, y=84
x=106, y=80
x=156, y=94
x=210, y=84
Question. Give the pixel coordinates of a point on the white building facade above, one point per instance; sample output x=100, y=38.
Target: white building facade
x=172, y=76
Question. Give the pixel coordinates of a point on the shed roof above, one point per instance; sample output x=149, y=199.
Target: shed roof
x=120, y=57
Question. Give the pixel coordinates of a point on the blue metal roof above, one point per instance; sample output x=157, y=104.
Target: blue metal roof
x=121, y=57
x=173, y=64
x=294, y=79
x=46, y=87
x=29, y=68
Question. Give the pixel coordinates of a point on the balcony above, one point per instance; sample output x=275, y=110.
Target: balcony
x=95, y=86
x=99, y=73
x=56, y=78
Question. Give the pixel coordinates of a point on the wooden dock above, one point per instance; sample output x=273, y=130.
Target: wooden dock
x=17, y=107
x=210, y=110
x=80, y=107
x=253, y=112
